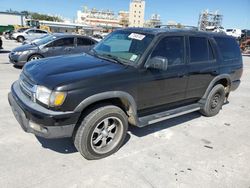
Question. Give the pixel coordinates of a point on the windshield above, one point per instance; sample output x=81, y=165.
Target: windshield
x=44, y=40
x=126, y=46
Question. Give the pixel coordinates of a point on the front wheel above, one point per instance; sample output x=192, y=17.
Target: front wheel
x=214, y=101
x=102, y=132
x=35, y=57
x=20, y=39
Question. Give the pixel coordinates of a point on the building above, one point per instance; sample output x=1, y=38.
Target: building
x=67, y=27
x=209, y=19
x=11, y=18
x=136, y=13
x=123, y=17
x=155, y=20
x=98, y=18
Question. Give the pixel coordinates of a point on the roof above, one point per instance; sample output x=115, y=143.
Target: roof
x=12, y=13
x=158, y=31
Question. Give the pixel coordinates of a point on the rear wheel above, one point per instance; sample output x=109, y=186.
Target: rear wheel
x=101, y=132
x=20, y=39
x=35, y=57
x=214, y=101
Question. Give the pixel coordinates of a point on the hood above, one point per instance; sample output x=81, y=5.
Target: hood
x=25, y=48
x=61, y=70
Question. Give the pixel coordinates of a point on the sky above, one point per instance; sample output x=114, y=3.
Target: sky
x=236, y=12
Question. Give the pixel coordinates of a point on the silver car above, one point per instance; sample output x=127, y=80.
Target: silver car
x=29, y=34
x=52, y=45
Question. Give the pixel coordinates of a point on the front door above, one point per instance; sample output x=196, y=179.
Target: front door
x=164, y=87
x=62, y=46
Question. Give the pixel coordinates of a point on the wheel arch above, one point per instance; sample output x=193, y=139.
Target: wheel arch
x=119, y=98
x=35, y=53
x=223, y=79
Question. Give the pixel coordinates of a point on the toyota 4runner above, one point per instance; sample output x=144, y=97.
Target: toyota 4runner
x=134, y=76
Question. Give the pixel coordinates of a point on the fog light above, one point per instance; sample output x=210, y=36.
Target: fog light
x=37, y=127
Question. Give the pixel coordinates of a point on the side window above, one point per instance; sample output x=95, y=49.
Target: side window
x=31, y=31
x=84, y=42
x=211, y=55
x=40, y=32
x=64, y=42
x=171, y=48
x=228, y=47
x=200, y=49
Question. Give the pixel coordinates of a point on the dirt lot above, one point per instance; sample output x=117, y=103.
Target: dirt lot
x=188, y=151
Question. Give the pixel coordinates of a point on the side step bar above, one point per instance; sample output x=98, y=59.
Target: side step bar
x=155, y=118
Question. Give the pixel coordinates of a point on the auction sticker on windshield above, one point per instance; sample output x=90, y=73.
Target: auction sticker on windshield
x=136, y=36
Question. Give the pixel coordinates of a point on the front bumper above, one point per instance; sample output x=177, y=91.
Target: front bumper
x=19, y=60
x=38, y=120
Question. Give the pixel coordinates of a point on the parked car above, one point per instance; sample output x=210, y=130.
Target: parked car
x=136, y=76
x=20, y=30
x=1, y=43
x=52, y=45
x=7, y=34
x=35, y=40
x=97, y=37
x=234, y=32
x=29, y=34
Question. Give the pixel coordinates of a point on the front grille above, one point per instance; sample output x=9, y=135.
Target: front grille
x=27, y=87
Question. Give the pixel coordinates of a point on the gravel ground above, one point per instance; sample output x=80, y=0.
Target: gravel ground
x=187, y=151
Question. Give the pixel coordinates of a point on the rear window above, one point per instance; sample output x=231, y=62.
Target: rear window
x=228, y=47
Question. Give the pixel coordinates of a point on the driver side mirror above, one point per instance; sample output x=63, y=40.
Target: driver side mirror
x=157, y=62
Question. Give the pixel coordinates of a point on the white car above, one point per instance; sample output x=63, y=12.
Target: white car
x=29, y=34
x=234, y=32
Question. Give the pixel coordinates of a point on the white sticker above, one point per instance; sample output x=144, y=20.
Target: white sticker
x=133, y=57
x=136, y=36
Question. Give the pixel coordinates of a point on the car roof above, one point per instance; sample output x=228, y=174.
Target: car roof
x=159, y=31
x=62, y=35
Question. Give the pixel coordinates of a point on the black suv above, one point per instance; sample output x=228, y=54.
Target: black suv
x=134, y=76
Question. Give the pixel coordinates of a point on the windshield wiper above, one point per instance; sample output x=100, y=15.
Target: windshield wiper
x=107, y=57
x=114, y=58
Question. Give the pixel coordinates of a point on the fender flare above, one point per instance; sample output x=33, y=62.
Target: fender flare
x=216, y=79
x=123, y=96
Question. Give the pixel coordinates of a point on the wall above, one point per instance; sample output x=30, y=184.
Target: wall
x=10, y=19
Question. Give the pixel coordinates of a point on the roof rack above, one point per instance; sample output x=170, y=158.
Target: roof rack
x=187, y=27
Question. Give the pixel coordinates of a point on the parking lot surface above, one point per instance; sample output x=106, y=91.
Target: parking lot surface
x=187, y=151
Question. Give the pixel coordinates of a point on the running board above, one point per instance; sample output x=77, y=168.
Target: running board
x=155, y=118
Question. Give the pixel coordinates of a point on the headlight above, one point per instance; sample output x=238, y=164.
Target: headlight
x=43, y=94
x=18, y=53
x=50, y=98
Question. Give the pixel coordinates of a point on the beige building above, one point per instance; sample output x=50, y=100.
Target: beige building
x=136, y=13
x=123, y=17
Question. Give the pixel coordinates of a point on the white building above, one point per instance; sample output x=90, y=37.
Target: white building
x=10, y=18
x=98, y=18
x=136, y=13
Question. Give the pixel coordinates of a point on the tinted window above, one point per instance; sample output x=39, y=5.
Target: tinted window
x=40, y=32
x=171, y=48
x=31, y=31
x=84, y=42
x=228, y=48
x=200, y=49
x=64, y=42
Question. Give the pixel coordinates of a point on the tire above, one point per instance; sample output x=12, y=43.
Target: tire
x=35, y=57
x=214, y=101
x=20, y=39
x=101, y=132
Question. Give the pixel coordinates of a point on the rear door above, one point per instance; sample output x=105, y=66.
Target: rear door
x=61, y=46
x=202, y=66
x=83, y=44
